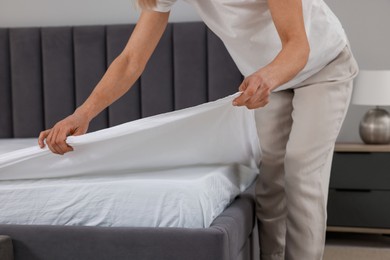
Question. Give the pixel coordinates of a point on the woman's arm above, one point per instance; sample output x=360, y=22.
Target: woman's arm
x=288, y=19
x=117, y=80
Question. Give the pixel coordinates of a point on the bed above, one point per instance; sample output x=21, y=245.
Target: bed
x=46, y=72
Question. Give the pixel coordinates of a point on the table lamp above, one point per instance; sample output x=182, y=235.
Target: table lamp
x=372, y=88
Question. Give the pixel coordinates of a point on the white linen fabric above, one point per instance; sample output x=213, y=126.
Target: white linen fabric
x=215, y=133
x=9, y=145
x=189, y=197
x=179, y=169
x=249, y=34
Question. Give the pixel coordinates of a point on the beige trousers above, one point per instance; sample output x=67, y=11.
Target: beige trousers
x=297, y=131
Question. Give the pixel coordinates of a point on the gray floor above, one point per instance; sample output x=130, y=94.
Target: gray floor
x=346, y=246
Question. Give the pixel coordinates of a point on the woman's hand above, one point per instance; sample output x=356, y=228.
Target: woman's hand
x=118, y=79
x=289, y=22
x=74, y=124
x=256, y=89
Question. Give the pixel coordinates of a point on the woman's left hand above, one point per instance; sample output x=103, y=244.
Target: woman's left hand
x=289, y=22
x=256, y=89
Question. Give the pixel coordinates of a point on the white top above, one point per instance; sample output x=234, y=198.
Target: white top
x=249, y=34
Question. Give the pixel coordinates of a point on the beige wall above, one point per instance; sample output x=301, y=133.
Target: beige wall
x=365, y=21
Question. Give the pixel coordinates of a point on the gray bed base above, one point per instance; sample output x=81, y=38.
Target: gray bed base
x=45, y=73
x=229, y=237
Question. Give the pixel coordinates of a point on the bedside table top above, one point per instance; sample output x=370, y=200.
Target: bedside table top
x=361, y=147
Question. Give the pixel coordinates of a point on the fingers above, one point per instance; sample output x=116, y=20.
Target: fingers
x=249, y=91
x=42, y=137
x=55, y=140
x=260, y=99
x=242, y=87
x=255, y=95
x=56, y=137
x=50, y=141
x=60, y=143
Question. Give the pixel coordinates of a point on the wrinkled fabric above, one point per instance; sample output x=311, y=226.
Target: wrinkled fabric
x=214, y=133
x=179, y=169
x=183, y=197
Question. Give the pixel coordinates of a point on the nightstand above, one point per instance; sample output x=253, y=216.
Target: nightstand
x=359, y=189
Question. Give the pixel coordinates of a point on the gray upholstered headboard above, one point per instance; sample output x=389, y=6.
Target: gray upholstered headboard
x=46, y=72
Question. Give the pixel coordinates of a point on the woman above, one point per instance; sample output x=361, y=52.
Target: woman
x=298, y=76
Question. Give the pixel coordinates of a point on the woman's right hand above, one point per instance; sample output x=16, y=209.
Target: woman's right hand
x=74, y=124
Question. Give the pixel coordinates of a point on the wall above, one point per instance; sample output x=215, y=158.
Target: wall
x=366, y=24
x=20, y=13
x=364, y=21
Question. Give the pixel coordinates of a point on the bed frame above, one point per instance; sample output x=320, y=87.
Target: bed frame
x=45, y=73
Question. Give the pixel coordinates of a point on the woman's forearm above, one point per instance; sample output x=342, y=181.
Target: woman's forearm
x=288, y=63
x=128, y=66
x=118, y=79
x=289, y=22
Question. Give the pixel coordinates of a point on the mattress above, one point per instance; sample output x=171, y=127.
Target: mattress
x=183, y=197
x=179, y=169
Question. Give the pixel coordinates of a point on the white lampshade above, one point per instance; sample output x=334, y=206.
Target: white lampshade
x=372, y=88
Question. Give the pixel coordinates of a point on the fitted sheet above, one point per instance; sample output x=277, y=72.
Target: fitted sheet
x=8, y=145
x=179, y=169
x=213, y=133
x=182, y=197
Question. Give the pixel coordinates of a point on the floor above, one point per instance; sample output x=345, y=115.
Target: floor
x=349, y=246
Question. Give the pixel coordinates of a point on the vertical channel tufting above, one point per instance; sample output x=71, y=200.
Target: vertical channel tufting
x=58, y=78
x=190, y=64
x=90, y=66
x=157, y=79
x=188, y=59
x=5, y=87
x=224, y=76
x=26, y=73
x=127, y=108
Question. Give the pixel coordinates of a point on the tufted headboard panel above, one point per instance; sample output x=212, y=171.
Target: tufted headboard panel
x=45, y=73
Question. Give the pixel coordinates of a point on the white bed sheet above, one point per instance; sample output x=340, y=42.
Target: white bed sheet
x=213, y=133
x=183, y=197
x=179, y=169
x=14, y=144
